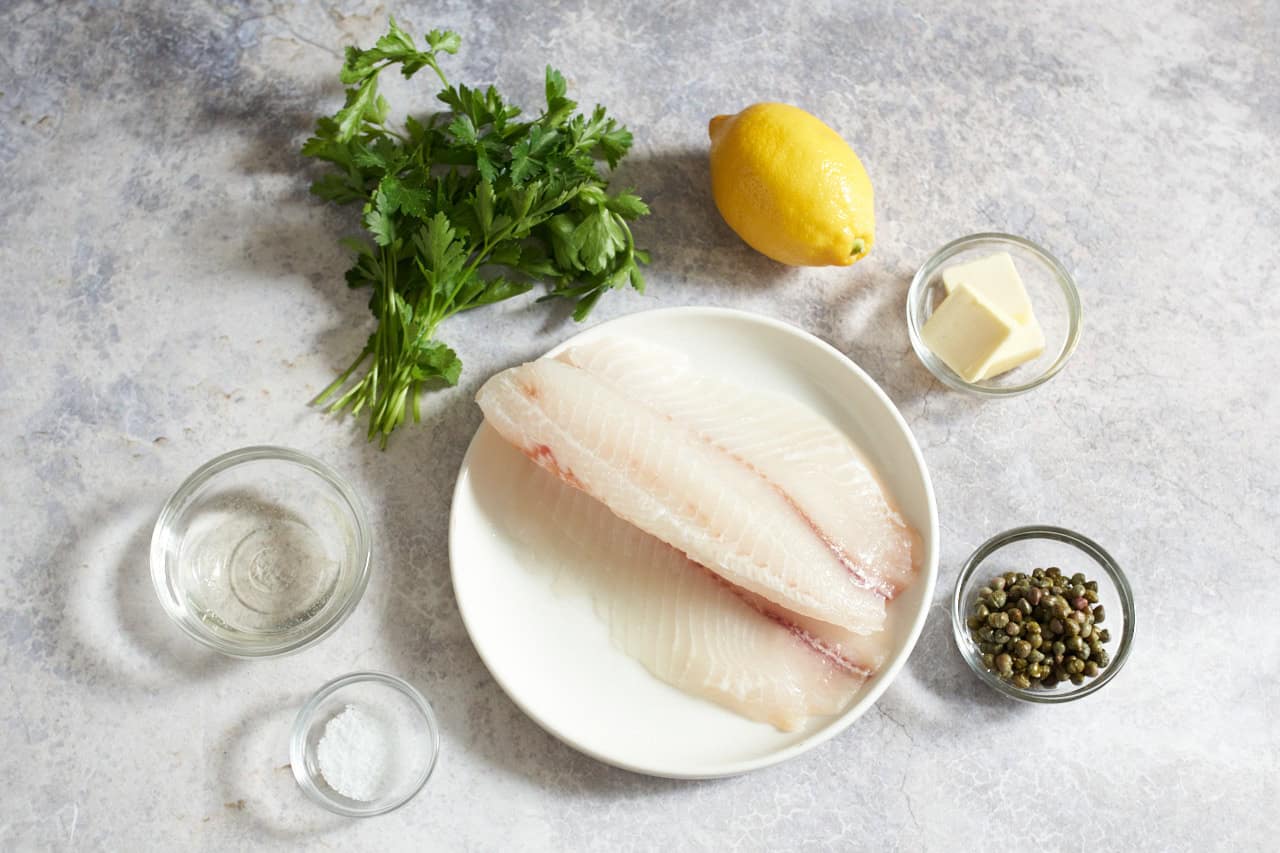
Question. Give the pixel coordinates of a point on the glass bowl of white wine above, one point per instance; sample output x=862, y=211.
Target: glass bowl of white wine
x=261, y=552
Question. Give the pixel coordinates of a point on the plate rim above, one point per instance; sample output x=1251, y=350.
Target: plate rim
x=885, y=677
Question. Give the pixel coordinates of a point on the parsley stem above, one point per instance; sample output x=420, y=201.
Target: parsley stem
x=342, y=379
x=436, y=68
x=390, y=131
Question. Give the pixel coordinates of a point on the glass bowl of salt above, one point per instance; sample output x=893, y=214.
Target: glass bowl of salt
x=364, y=744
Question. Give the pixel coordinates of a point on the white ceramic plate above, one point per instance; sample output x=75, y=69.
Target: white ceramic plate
x=547, y=649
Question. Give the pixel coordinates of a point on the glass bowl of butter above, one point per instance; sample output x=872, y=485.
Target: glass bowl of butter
x=993, y=314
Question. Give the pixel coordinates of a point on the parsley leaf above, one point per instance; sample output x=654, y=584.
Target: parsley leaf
x=628, y=205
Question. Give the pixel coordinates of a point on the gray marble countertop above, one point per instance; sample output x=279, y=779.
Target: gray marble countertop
x=171, y=291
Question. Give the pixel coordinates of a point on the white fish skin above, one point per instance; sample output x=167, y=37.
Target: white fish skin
x=788, y=443
x=683, y=623
x=677, y=487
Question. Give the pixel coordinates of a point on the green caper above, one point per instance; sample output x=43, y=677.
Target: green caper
x=1037, y=629
x=1099, y=614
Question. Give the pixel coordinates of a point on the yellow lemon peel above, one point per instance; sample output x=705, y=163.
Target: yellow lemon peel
x=791, y=187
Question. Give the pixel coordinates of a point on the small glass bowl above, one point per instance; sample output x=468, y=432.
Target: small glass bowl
x=1052, y=292
x=405, y=720
x=261, y=552
x=1038, y=546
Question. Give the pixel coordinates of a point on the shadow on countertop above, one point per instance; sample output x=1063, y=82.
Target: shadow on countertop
x=255, y=779
x=114, y=631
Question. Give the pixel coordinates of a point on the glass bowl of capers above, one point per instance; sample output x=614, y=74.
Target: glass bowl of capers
x=1043, y=614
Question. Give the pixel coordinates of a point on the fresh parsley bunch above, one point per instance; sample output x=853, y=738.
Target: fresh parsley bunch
x=464, y=208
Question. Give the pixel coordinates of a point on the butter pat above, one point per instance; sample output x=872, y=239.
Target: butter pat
x=967, y=332
x=996, y=279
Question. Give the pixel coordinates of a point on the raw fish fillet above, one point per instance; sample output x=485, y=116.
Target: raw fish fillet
x=787, y=443
x=685, y=624
x=665, y=479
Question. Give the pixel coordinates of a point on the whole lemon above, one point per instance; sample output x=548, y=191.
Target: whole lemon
x=791, y=187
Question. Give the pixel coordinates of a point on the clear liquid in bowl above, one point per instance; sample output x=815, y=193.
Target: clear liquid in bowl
x=250, y=567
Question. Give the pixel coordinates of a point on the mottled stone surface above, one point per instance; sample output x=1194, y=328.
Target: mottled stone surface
x=170, y=291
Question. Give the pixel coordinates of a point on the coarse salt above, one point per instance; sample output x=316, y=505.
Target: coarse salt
x=355, y=753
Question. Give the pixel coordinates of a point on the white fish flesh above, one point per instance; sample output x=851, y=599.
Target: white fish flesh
x=685, y=624
x=665, y=478
x=788, y=444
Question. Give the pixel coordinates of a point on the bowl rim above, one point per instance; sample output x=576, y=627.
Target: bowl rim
x=178, y=501
x=948, y=377
x=302, y=723
x=969, y=650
